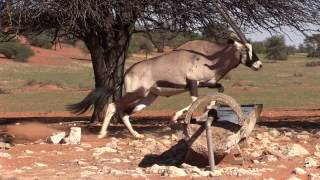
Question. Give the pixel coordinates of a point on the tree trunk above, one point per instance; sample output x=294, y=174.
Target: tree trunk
x=108, y=53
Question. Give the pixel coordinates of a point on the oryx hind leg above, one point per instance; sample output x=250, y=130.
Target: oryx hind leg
x=111, y=110
x=138, y=106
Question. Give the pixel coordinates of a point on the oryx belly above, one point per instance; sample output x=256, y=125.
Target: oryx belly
x=167, y=91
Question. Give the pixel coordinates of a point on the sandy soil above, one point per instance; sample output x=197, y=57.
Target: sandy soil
x=34, y=158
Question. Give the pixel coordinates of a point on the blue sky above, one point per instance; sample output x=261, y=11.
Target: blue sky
x=293, y=37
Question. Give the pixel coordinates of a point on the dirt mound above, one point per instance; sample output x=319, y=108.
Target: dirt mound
x=29, y=132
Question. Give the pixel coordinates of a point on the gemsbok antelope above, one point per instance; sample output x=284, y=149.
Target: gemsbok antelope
x=193, y=65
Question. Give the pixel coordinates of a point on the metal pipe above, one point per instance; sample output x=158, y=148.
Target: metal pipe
x=209, y=142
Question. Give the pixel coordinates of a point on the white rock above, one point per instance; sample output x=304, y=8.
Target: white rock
x=4, y=145
x=313, y=176
x=87, y=173
x=90, y=167
x=289, y=134
x=79, y=149
x=295, y=150
x=86, y=145
x=270, y=158
x=131, y=157
x=4, y=155
x=317, y=147
x=26, y=168
x=28, y=151
x=173, y=171
x=274, y=133
x=166, y=141
x=215, y=172
x=317, y=154
x=310, y=162
x=303, y=136
x=81, y=162
x=299, y=171
x=102, y=150
x=116, y=172
x=293, y=178
x=155, y=169
x=115, y=160
x=74, y=136
x=40, y=164
x=57, y=137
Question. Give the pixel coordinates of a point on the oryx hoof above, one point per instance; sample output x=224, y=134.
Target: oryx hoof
x=138, y=136
x=102, y=135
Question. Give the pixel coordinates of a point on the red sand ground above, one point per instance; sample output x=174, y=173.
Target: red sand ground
x=56, y=155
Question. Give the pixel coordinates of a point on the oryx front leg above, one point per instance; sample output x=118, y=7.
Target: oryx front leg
x=193, y=88
x=111, y=110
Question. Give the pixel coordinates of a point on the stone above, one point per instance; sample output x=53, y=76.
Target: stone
x=235, y=171
x=86, y=173
x=270, y=158
x=317, y=147
x=40, y=164
x=115, y=160
x=310, y=162
x=293, y=178
x=295, y=150
x=313, y=176
x=274, y=133
x=80, y=162
x=215, y=172
x=5, y=155
x=303, y=136
x=317, y=154
x=74, y=136
x=102, y=150
x=174, y=171
x=28, y=151
x=155, y=169
x=57, y=137
x=86, y=145
x=131, y=157
x=299, y=171
x=4, y=145
x=26, y=168
x=79, y=149
x=288, y=134
x=166, y=141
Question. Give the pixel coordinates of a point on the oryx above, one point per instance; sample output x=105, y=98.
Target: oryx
x=194, y=64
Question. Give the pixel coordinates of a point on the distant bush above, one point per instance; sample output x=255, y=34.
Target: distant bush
x=16, y=51
x=81, y=45
x=41, y=40
x=140, y=43
x=276, y=48
x=313, y=63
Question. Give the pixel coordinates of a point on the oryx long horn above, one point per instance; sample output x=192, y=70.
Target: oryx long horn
x=225, y=14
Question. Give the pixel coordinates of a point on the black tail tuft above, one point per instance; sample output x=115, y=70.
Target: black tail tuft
x=97, y=97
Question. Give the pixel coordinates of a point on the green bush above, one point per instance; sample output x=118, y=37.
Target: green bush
x=41, y=40
x=140, y=43
x=276, y=48
x=16, y=51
